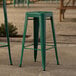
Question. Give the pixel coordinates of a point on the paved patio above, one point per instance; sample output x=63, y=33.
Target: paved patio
x=66, y=41
x=67, y=58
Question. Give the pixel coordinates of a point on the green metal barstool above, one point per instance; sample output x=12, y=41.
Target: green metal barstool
x=7, y=34
x=39, y=21
x=18, y=2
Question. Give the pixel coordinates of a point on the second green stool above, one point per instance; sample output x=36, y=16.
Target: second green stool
x=18, y=2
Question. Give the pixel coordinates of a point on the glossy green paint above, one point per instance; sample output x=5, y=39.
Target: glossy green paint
x=23, y=42
x=54, y=38
x=36, y=34
x=6, y=29
x=39, y=24
x=43, y=39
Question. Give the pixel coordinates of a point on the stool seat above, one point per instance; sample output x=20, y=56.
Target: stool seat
x=39, y=21
x=39, y=13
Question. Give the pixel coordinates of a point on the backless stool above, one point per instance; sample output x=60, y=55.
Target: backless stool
x=39, y=18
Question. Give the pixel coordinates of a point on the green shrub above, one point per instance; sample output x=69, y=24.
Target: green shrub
x=12, y=30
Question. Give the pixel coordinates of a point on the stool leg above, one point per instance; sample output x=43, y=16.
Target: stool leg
x=28, y=1
x=23, y=42
x=43, y=40
x=36, y=33
x=6, y=29
x=18, y=3
x=23, y=2
x=8, y=45
x=6, y=26
x=14, y=2
x=54, y=38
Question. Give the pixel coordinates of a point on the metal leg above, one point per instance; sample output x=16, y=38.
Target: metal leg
x=43, y=40
x=6, y=29
x=23, y=2
x=54, y=38
x=23, y=42
x=36, y=33
x=60, y=15
x=63, y=14
x=9, y=49
x=18, y=3
x=14, y=2
x=28, y=1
